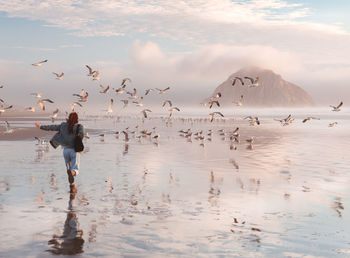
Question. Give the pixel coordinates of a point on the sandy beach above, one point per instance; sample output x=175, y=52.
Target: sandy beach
x=179, y=196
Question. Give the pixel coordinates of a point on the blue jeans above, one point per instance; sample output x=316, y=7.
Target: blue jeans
x=72, y=159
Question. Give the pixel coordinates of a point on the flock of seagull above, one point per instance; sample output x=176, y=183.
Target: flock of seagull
x=133, y=98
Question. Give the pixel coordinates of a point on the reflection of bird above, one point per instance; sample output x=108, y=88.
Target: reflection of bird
x=144, y=112
x=254, y=82
x=310, y=118
x=104, y=89
x=336, y=108
x=42, y=103
x=59, y=76
x=213, y=114
x=235, y=79
x=172, y=110
x=39, y=63
x=163, y=90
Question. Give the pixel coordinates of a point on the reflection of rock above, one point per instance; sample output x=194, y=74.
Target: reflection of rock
x=273, y=90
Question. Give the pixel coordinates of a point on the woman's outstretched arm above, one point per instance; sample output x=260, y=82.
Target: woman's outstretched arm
x=48, y=127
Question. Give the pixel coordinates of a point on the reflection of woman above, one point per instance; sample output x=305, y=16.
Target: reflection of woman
x=72, y=238
x=67, y=132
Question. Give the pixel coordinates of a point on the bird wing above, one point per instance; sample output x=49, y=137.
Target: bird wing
x=90, y=70
x=56, y=74
x=340, y=104
x=250, y=79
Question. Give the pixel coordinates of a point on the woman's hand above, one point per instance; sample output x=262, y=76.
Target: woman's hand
x=37, y=125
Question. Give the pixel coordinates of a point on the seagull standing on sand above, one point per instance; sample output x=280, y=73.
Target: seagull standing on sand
x=110, y=106
x=8, y=129
x=40, y=63
x=336, y=108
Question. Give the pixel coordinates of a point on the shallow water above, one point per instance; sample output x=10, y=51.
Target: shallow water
x=286, y=196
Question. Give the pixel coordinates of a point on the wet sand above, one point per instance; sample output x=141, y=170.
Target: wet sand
x=288, y=195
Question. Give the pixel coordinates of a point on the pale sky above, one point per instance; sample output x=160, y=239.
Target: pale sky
x=191, y=46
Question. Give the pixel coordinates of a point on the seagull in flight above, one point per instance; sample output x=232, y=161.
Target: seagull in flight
x=59, y=76
x=124, y=82
x=147, y=91
x=336, y=108
x=54, y=115
x=92, y=72
x=211, y=103
x=40, y=63
x=253, y=120
x=72, y=106
x=167, y=101
x=333, y=124
x=144, y=112
x=310, y=118
x=42, y=103
x=286, y=121
x=163, y=91
x=254, y=82
x=235, y=79
x=3, y=109
x=126, y=102
x=103, y=89
x=139, y=103
x=172, y=110
x=37, y=95
x=211, y=115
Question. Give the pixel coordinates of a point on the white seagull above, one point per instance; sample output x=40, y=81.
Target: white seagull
x=40, y=63
x=211, y=115
x=172, y=110
x=8, y=129
x=59, y=76
x=336, y=108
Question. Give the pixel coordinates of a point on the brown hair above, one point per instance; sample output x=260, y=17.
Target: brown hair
x=72, y=120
